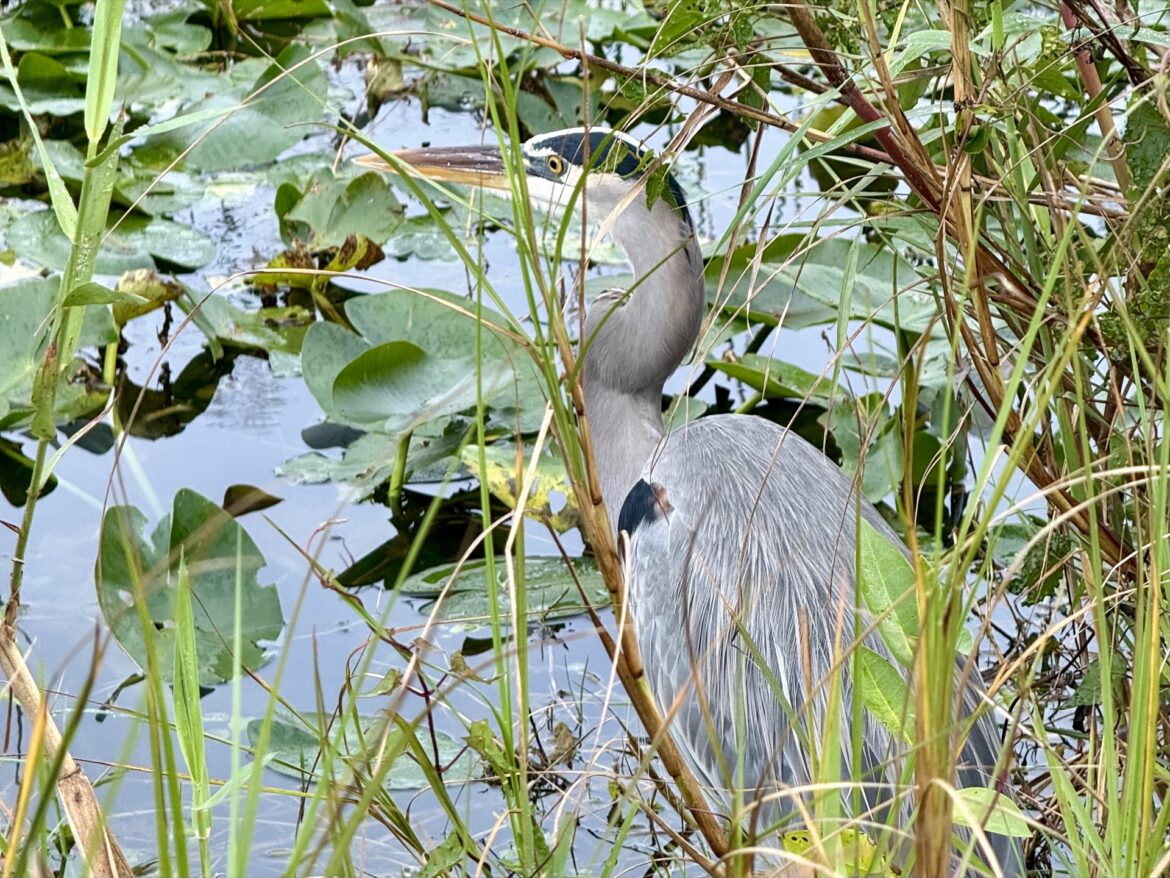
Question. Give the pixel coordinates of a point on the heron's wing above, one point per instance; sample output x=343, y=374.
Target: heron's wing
x=742, y=586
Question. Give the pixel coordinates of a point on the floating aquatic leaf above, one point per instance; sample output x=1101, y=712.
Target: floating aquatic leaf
x=775, y=378
x=332, y=207
x=136, y=574
x=25, y=323
x=16, y=165
x=271, y=330
x=414, y=361
x=297, y=752
x=46, y=85
x=369, y=460
x=550, y=484
x=801, y=284
x=259, y=129
x=396, y=386
x=549, y=589
x=131, y=242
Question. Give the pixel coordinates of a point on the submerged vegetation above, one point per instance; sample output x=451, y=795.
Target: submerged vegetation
x=937, y=243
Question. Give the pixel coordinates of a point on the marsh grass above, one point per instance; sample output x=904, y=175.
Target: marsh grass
x=1055, y=368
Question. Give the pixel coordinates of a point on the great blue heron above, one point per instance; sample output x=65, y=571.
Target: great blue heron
x=742, y=535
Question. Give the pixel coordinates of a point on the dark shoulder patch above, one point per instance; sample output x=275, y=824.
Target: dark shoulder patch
x=638, y=507
x=644, y=503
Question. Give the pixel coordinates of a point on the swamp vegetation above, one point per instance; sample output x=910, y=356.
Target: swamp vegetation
x=304, y=573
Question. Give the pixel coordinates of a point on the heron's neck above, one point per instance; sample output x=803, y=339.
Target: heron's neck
x=637, y=340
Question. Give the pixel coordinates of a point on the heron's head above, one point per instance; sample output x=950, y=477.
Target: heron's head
x=605, y=166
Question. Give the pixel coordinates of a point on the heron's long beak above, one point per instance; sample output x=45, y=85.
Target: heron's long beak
x=479, y=166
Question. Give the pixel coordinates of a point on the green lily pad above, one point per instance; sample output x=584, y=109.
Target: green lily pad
x=802, y=283
x=421, y=238
x=132, y=242
x=777, y=379
x=262, y=127
x=296, y=752
x=369, y=460
x=47, y=87
x=36, y=27
x=549, y=589
x=25, y=323
x=332, y=207
x=548, y=481
x=139, y=179
x=397, y=386
x=271, y=330
x=16, y=164
x=413, y=361
x=136, y=573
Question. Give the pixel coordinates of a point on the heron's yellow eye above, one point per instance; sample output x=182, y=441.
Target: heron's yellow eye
x=556, y=164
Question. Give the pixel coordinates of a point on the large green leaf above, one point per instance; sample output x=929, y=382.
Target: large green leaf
x=777, y=379
x=138, y=568
x=993, y=811
x=297, y=752
x=550, y=496
x=803, y=283
x=263, y=126
x=885, y=694
x=396, y=386
x=132, y=242
x=331, y=207
x=413, y=361
x=138, y=180
x=46, y=85
x=549, y=589
x=25, y=323
x=887, y=586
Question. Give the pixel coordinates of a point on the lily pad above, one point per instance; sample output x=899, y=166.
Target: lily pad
x=261, y=125
x=413, y=361
x=135, y=574
x=549, y=589
x=550, y=484
x=297, y=752
x=47, y=87
x=332, y=207
x=369, y=460
x=139, y=180
x=802, y=283
x=421, y=238
x=775, y=378
x=271, y=330
x=25, y=323
x=132, y=242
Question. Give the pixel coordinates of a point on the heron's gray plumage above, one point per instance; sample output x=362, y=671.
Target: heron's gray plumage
x=742, y=552
x=742, y=572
